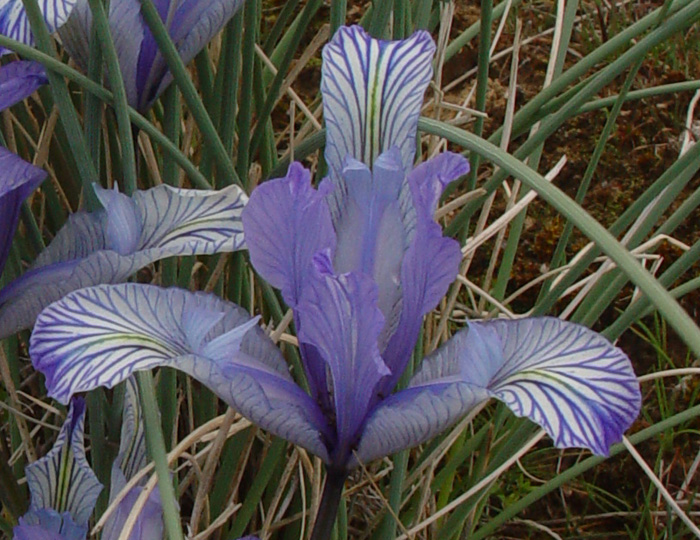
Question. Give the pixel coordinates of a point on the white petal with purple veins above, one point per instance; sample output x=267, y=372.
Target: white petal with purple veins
x=565, y=377
x=372, y=93
x=63, y=480
x=15, y=24
x=568, y=379
x=111, y=244
x=100, y=335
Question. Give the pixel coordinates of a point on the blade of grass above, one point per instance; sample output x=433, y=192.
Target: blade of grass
x=338, y=14
x=482, y=80
x=245, y=111
x=379, y=21
x=262, y=479
x=92, y=111
x=666, y=304
x=68, y=114
x=674, y=24
x=51, y=64
x=189, y=92
x=99, y=17
x=536, y=494
x=273, y=92
x=156, y=450
x=281, y=22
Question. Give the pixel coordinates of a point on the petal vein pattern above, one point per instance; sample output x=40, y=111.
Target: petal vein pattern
x=49, y=486
x=372, y=93
x=566, y=378
x=15, y=24
x=563, y=376
x=110, y=245
x=100, y=335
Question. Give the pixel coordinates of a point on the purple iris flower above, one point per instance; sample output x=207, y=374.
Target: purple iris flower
x=17, y=180
x=63, y=487
x=190, y=23
x=360, y=261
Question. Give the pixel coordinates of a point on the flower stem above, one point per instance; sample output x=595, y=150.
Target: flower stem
x=332, y=492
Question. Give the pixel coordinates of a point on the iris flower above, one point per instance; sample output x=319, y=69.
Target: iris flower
x=190, y=23
x=63, y=487
x=360, y=261
x=111, y=244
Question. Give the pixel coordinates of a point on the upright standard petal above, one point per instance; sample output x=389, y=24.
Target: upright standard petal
x=563, y=376
x=338, y=317
x=372, y=93
x=63, y=487
x=99, y=336
x=110, y=245
x=19, y=80
x=15, y=24
x=431, y=261
x=286, y=223
x=371, y=234
x=17, y=180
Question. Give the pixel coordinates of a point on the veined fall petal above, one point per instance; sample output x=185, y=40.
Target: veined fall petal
x=566, y=378
x=111, y=244
x=99, y=336
x=63, y=487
